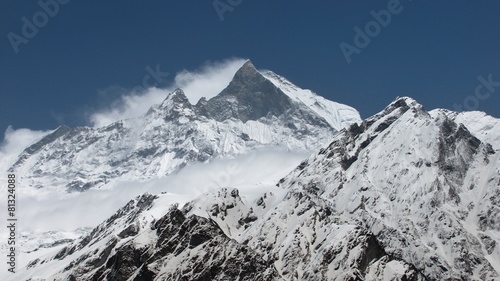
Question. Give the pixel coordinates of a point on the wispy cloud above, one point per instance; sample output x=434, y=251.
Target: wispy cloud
x=131, y=104
x=206, y=81
x=209, y=80
x=14, y=142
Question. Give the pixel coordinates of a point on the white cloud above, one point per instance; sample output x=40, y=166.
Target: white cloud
x=14, y=142
x=128, y=106
x=207, y=81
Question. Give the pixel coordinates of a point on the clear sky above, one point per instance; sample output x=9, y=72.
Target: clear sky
x=56, y=59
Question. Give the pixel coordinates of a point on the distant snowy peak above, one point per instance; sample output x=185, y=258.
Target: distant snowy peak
x=336, y=114
x=250, y=113
x=175, y=102
x=36, y=147
x=252, y=95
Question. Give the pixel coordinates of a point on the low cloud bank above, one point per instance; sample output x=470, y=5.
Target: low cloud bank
x=251, y=173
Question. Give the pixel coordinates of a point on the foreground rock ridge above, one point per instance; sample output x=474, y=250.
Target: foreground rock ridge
x=251, y=113
x=406, y=194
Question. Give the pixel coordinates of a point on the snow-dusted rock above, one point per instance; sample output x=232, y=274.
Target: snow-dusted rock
x=423, y=184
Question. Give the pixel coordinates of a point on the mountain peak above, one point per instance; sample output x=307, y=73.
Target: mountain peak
x=249, y=96
x=176, y=104
x=176, y=97
x=249, y=63
x=404, y=102
x=398, y=107
x=250, y=113
x=246, y=72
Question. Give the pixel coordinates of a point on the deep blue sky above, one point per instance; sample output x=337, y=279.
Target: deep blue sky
x=432, y=51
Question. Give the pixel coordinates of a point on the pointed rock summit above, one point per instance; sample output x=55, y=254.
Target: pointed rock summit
x=252, y=112
x=249, y=96
x=176, y=99
x=173, y=107
x=246, y=72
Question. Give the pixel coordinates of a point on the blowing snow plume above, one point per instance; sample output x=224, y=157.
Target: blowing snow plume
x=206, y=81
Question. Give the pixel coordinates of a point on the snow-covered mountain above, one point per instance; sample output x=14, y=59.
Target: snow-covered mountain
x=404, y=195
x=252, y=112
x=423, y=184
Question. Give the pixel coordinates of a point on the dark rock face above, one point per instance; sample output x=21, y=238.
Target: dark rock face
x=194, y=239
x=249, y=96
x=457, y=148
x=206, y=241
x=125, y=262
